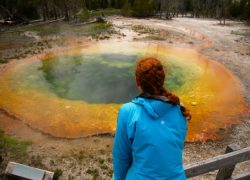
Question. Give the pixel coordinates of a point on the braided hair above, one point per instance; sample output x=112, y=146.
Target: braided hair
x=150, y=76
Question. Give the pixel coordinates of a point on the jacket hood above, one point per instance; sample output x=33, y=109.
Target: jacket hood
x=155, y=107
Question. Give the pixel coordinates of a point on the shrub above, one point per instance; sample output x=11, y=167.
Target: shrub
x=83, y=15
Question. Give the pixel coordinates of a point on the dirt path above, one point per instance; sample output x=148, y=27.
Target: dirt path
x=91, y=157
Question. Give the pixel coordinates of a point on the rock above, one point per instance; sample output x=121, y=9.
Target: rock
x=193, y=103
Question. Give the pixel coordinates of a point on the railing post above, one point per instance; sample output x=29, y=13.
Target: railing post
x=227, y=172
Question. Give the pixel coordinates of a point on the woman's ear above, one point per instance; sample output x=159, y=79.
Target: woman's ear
x=138, y=84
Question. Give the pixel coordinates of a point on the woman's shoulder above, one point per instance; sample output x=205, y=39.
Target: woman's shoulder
x=128, y=114
x=129, y=111
x=129, y=107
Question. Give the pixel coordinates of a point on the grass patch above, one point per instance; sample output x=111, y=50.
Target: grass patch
x=91, y=29
x=3, y=61
x=105, y=12
x=47, y=29
x=101, y=26
x=144, y=30
x=63, y=28
x=11, y=149
x=13, y=40
x=85, y=15
x=9, y=144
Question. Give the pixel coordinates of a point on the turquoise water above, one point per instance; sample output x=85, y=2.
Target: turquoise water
x=104, y=78
x=94, y=78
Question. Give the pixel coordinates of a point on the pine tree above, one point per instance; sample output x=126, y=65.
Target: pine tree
x=143, y=8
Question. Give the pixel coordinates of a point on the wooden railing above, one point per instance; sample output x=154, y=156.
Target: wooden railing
x=224, y=163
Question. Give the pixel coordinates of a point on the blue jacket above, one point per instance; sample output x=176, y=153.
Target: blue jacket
x=149, y=141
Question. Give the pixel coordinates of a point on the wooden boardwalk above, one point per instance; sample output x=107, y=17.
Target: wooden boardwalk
x=224, y=163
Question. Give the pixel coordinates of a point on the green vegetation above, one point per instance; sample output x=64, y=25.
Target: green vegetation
x=83, y=15
x=101, y=26
x=3, y=61
x=48, y=29
x=11, y=145
x=127, y=9
x=86, y=15
x=105, y=12
x=143, y=8
x=139, y=8
x=57, y=174
x=11, y=149
x=144, y=30
x=239, y=9
x=84, y=9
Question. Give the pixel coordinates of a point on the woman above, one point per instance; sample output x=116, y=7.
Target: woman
x=151, y=130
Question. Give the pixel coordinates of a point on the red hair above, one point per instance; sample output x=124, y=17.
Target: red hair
x=150, y=76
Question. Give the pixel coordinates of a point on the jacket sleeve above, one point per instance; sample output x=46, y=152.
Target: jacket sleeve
x=122, y=153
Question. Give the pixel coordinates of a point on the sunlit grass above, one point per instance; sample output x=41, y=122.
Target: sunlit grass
x=12, y=149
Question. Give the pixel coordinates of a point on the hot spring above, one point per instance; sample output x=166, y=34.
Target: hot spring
x=78, y=92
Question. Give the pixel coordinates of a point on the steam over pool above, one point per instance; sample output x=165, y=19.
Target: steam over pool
x=94, y=78
x=78, y=93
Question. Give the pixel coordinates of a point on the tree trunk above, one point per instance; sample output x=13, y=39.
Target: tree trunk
x=66, y=12
x=54, y=10
x=44, y=14
x=224, y=14
x=160, y=11
x=161, y=8
x=55, y=13
x=46, y=9
x=84, y=4
x=197, y=11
